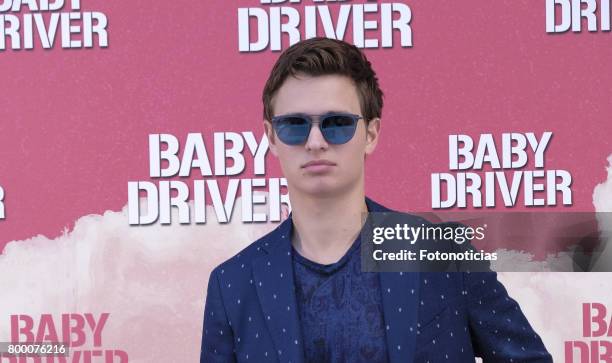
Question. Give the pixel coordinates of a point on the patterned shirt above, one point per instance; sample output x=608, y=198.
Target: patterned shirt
x=340, y=310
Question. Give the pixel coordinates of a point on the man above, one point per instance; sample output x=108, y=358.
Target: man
x=298, y=294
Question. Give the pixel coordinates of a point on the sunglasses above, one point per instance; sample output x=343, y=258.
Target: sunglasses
x=336, y=127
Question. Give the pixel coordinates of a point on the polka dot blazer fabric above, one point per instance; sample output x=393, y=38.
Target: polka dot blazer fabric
x=251, y=312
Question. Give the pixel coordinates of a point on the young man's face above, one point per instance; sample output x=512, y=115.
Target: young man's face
x=320, y=95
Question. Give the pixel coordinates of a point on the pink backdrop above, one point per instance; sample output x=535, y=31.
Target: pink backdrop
x=74, y=129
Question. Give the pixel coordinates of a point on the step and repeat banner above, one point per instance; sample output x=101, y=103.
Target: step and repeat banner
x=133, y=158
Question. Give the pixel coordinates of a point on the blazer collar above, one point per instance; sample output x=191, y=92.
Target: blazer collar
x=400, y=298
x=273, y=279
x=275, y=287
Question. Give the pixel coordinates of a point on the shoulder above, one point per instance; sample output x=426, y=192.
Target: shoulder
x=242, y=261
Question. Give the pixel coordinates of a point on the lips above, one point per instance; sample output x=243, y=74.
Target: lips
x=315, y=163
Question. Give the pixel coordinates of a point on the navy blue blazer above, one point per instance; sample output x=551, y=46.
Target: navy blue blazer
x=251, y=312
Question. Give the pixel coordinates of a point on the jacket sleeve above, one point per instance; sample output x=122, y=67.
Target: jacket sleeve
x=500, y=332
x=217, y=335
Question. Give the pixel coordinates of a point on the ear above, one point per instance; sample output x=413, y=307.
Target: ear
x=372, y=135
x=269, y=131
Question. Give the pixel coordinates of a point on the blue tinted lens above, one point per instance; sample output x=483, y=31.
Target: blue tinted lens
x=293, y=130
x=335, y=128
x=338, y=129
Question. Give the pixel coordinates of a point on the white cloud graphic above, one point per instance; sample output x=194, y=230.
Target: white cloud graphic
x=151, y=279
x=602, y=200
x=602, y=194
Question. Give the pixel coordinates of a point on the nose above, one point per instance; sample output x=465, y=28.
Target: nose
x=315, y=140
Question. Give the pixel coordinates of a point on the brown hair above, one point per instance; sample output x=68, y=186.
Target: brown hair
x=324, y=56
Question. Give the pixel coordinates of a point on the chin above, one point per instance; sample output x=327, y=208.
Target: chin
x=323, y=189
x=315, y=188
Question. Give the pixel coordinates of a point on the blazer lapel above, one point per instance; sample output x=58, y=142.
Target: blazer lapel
x=273, y=274
x=400, y=296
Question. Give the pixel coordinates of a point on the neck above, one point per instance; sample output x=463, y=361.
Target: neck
x=326, y=227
